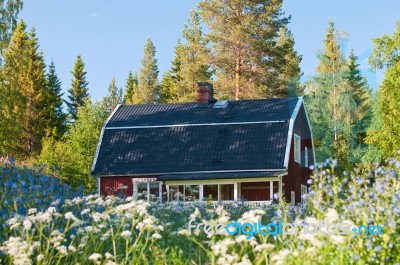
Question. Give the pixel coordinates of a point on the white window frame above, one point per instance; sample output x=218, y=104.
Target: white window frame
x=304, y=191
x=297, y=148
x=306, y=157
x=292, y=198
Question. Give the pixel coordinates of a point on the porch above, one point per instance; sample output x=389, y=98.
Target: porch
x=253, y=189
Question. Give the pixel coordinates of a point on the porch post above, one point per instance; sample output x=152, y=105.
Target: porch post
x=201, y=193
x=235, y=191
x=167, y=188
x=148, y=191
x=160, y=191
x=219, y=192
x=280, y=188
x=271, y=190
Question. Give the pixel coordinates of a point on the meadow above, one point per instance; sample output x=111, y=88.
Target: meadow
x=43, y=221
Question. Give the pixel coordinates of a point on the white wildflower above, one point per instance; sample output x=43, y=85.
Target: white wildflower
x=109, y=256
x=156, y=236
x=331, y=215
x=110, y=262
x=39, y=257
x=32, y=211
x=280, y=257
x=95, y=256
x=51, y=210
x=71, y=248
x=85, y=211
x=27, y=224
x=126, y=234
x=266, y=247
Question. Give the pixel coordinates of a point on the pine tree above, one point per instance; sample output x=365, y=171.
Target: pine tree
x=113, y=98
x=12, y=100
x=167, y=88
x=78, y=92
x=148, y=82
x=9, y=11
x=190, y=60
x=131, y=87
x=35, y=93
x=291, y=72
x=56, y=117
x=244, y=50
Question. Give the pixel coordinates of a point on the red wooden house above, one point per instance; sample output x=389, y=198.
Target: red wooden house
x=208, y=149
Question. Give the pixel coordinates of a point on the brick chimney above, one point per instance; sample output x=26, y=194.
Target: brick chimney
x=205, y=92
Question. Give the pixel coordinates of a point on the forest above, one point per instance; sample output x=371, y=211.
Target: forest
x=245, y=48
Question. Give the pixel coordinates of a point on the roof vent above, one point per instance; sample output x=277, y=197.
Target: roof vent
x=220, y=104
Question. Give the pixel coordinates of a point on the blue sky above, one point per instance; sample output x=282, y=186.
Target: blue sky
x=110, y=34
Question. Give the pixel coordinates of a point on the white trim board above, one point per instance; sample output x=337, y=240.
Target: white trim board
x=191, y=125
x=290, y=131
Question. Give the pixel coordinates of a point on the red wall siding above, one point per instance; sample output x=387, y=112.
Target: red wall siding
x=298, y=173
x=109, y=184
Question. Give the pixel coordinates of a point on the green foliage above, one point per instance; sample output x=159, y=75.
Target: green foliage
x=339, y=104
x=386, y=52
x=78, y=93
x=243, y=46
x=9, y=10
x=131, y=87
x=167, y=88
x=71, y=158
x=290, y=73
x=113, y=98
x=56, y=118
x=24, y=95
x=387, y=139
x=12, y=100
x=148, y=74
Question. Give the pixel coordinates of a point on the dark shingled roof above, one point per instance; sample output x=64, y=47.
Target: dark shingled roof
x=159, y=139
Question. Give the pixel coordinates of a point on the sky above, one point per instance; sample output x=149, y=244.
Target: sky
x=110, y=35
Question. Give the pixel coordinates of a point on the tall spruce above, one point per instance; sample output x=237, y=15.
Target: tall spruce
x=78, y=93
x=23, y=96
x=290, y=70
x=148, y=76
x=12, y=100
x=131, y=87
x=54, y=106
x=9, y=11
x=113, y=98
x=191, y=59
x=35, y=92
x=243, y=42
x=167, y=88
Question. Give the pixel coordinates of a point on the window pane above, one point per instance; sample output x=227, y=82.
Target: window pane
x=176, y=193
x=210, y=192
x=191, y=192
x=142, y=190
x=227, y=192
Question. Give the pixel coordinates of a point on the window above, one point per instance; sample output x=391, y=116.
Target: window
x=306, y=157
x=226, y=192
x=210, y=192
x=297, y=148
x=292, y=197
x=303, y=192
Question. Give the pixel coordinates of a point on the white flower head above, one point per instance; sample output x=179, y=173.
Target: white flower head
x=126, y=234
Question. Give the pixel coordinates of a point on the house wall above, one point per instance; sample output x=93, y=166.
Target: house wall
x=111, y=185
x=298, y=173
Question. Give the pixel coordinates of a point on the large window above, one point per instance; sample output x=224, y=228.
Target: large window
x=210, y=192
x=297, y=148
x=184, y=192
x=227, y=192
